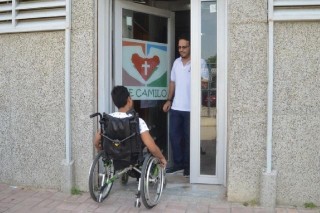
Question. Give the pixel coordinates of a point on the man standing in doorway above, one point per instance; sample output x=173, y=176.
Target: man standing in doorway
x=178, y=103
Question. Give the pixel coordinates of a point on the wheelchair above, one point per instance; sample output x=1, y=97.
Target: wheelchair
x=122, y=155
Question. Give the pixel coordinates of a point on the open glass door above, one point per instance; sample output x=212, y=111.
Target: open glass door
x=207, y=112
x=143, y=39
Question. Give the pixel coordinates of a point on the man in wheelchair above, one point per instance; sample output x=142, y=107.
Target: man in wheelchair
x=117, y=146
x=121, y=98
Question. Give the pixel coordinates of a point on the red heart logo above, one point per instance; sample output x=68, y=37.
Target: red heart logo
x=145, y=66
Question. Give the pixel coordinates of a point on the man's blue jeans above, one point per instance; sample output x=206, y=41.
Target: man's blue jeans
x=179, y=134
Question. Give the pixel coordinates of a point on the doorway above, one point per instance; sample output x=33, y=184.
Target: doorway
x=152, y=31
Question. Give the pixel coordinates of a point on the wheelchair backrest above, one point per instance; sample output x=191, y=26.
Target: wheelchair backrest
x=121, y=138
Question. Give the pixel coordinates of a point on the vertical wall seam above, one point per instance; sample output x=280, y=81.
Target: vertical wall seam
x=270, y=85
x=68, y=82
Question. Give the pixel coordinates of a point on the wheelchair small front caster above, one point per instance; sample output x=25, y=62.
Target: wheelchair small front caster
x=137, y=203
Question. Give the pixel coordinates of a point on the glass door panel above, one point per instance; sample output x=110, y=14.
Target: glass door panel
x=208, y=110
x=144, y=47
x=142, y=56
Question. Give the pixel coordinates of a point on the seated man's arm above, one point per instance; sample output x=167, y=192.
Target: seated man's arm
x=97, y=140
x=153, y=148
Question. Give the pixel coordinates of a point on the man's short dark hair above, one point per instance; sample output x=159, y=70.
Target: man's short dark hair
x=120, y=96
x=184, y=36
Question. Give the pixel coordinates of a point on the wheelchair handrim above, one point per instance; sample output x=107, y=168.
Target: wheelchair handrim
x=160, y=176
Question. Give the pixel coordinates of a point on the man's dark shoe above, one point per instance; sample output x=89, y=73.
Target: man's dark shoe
x=173, y=170
x=186, y=173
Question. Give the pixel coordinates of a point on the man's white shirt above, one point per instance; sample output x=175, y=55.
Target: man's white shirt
x=181, y=75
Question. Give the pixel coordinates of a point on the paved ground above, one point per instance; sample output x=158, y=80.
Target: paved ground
x=179, y=196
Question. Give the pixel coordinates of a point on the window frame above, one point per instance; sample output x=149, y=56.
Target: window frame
x=298, y=10
x=37, y=15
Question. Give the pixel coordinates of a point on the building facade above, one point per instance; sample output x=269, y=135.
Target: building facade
x=60, y=59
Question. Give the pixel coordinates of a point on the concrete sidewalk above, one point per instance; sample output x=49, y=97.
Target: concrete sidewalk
x=179, y=196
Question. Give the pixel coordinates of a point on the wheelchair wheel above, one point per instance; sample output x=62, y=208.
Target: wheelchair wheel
x=152, y=181
x=100, y=177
